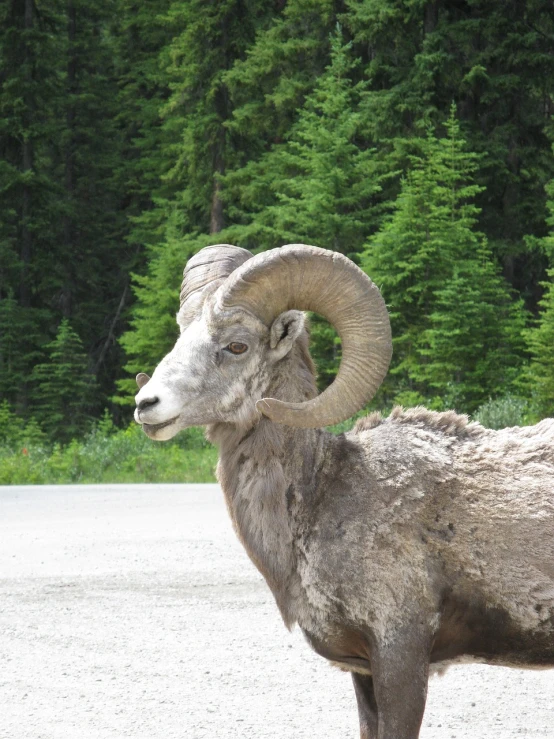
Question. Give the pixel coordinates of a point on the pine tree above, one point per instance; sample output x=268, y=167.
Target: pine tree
x=540, y=342
x=320, y=186
x=31, y=116
x=143, y=36
x=208, y=40
x=268, y=86
x=473, y=349
x=539, y=378
x=21, y=347
x=456, y=331
x=65, y=389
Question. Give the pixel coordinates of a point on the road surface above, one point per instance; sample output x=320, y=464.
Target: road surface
x=132, y=611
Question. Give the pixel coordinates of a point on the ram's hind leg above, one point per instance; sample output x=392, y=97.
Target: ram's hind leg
x=367, y=705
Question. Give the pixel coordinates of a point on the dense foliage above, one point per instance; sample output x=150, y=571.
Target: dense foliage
x=414, y=136
x=104, y=454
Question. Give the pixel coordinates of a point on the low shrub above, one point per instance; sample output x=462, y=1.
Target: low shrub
x=499, y=413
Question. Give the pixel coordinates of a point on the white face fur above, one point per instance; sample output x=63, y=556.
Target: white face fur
x=219, y=367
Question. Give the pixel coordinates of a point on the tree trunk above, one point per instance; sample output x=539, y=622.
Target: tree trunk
x=68, y=226
x=216, y=214
x=217, y=219
x=27, y=166
x=431, y=17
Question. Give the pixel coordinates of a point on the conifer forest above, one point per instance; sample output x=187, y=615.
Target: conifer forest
x=414, y=136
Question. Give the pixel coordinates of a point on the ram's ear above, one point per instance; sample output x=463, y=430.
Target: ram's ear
x=284, y=331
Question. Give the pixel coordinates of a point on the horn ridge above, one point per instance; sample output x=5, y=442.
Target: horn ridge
x=215, y=262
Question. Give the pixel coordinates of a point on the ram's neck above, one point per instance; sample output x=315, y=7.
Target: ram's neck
x=266, y=476
x=267, y=473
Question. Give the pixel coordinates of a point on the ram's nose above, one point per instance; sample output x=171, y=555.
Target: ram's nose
x=147, y=403
x=143, y=399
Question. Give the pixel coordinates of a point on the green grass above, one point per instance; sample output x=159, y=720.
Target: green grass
x=109, y=456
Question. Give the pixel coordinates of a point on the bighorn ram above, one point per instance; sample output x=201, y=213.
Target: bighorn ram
x=412, y=541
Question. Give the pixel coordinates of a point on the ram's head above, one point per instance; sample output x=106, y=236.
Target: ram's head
x=241, y=316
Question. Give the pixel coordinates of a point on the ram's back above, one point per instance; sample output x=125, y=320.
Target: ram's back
x=476, y=505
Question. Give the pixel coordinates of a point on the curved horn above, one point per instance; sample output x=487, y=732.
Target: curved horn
x=309, y=278
x=209, y=264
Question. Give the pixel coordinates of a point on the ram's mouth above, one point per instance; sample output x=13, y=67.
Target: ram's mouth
x=152, y=428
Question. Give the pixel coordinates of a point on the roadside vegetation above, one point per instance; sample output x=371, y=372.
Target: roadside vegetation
x=104, y=455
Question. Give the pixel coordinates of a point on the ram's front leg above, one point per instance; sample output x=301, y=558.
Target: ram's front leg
x=400, y=668
x=367, y=705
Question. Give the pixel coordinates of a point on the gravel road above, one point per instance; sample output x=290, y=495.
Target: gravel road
x=132, y=611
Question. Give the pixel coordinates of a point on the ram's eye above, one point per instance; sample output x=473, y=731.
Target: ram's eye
x=235, y=347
